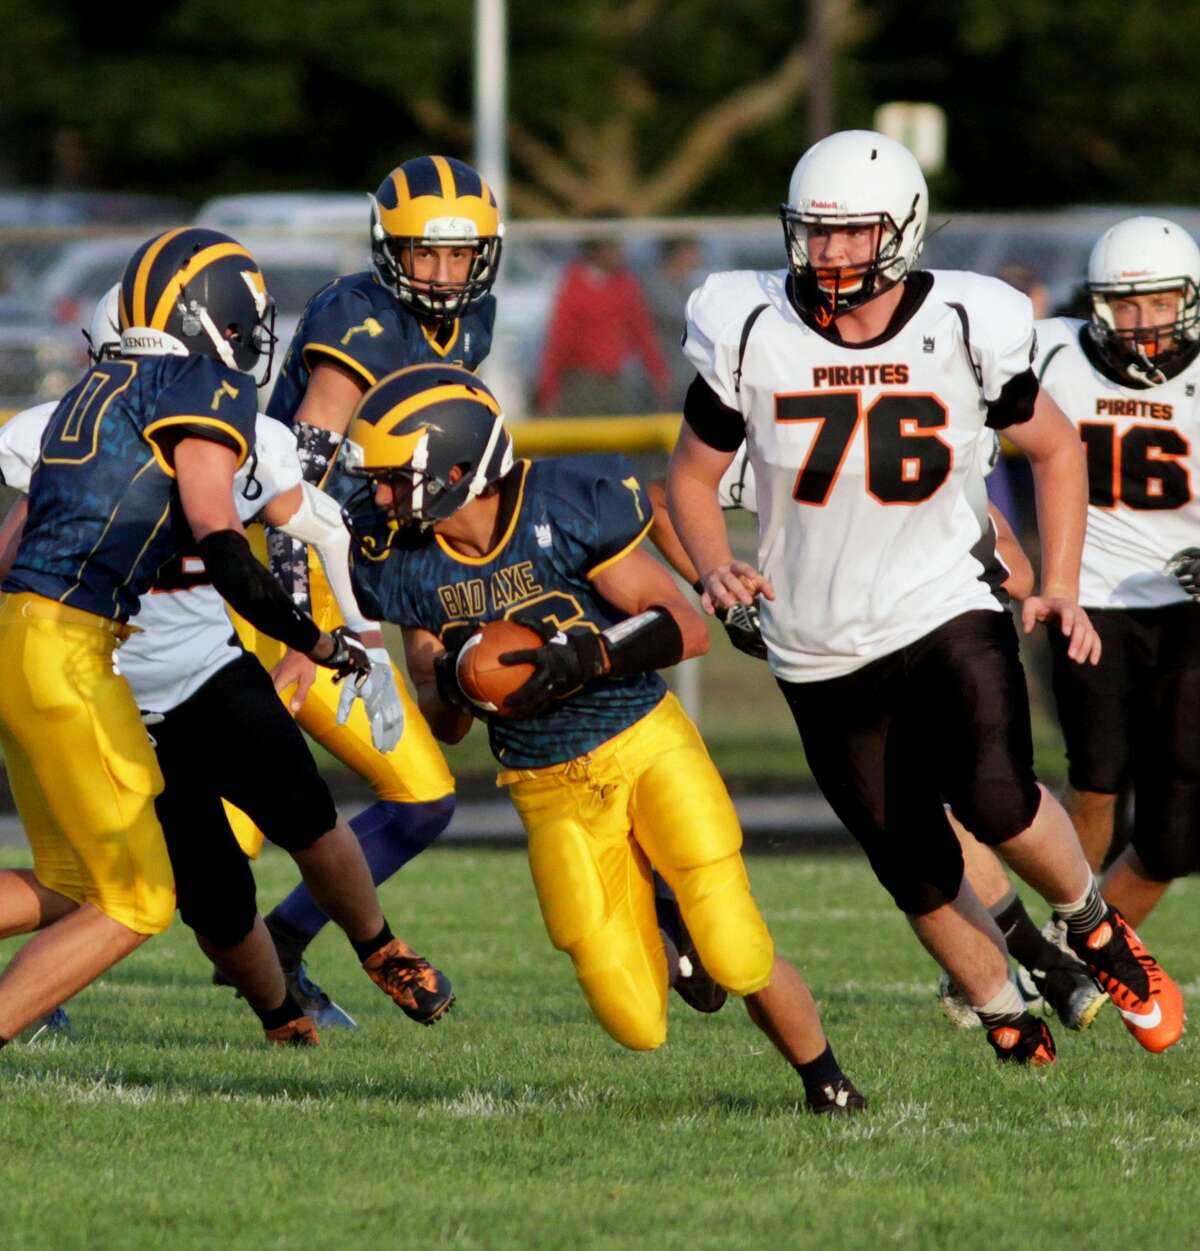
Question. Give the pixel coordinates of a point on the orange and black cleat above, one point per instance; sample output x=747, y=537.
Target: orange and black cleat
x=1025, y=1041
x=1149, y=1001
x=423, y=992
x=300, y=1032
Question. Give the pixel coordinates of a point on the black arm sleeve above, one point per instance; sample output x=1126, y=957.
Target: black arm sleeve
x=651, y=640
x=251, y=591
x=1015, y=402
x=714, y=423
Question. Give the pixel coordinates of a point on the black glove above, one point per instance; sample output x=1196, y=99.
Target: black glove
x=349, y=658
x=561, y=666
x=445, y=674
x=742, y=625
x=1184, y=567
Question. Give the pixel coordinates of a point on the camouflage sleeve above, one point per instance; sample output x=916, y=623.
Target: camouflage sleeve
x=288, y=557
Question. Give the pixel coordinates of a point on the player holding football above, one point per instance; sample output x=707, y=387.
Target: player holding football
x=1128, y=378
x=862, y=391
x=606, y=771
x=137, y=462
x=435, y=250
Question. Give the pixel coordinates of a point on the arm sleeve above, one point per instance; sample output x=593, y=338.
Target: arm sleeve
x=251, y=591
x=287, y=554
x=713, y=422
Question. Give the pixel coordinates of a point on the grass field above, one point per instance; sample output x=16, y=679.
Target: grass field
x=516, y=1124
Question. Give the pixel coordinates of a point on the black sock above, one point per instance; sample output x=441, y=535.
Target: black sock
x=273, y=1018
x=821, y=1072
x=1084, y=918
x=289, y=941
x=368, y=947
x=1025, y=941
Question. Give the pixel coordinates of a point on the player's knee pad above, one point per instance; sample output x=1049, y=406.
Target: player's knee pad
x=222, y=912
x=629, y=998
x=730, y=934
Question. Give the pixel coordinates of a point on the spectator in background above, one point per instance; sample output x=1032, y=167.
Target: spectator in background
x=601, y=354
x=679, y=273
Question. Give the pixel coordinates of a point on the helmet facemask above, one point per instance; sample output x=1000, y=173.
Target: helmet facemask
x=828, y=292
x=1144, y=353
x=394, y=260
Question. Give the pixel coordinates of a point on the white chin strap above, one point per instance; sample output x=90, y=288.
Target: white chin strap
x=482, y=478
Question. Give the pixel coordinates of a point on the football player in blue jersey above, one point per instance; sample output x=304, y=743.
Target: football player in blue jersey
x=435, y=248
x=137, y=467
x=137, y=462
x=609, y=776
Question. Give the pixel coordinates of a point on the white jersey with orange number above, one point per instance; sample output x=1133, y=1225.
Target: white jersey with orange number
x=866, y=459
x=184, y=632
x=1143, y=448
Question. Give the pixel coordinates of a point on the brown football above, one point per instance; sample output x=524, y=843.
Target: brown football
x=486, y=681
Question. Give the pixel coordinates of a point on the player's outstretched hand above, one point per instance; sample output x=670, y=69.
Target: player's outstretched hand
x=562, y=664
x=1184, y=567
x=380, y=698
x=734, y=583
x=349, y=658
x=1084, y=647
x=295, y=669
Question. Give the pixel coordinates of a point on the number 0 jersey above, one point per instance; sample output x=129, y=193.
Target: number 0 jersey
x=184, y=634
x=574, y=517
x=104, y=513
x=865, y=458
x=1143, y=449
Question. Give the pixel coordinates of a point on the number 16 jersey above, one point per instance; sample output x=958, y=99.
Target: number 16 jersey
x=865, y=456
x=1142, y=446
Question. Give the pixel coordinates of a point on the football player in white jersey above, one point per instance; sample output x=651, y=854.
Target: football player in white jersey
x=204, y=697
x=1128, y=379
x=862, y=387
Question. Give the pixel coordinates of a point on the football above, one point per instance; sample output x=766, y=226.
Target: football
x=485, y=681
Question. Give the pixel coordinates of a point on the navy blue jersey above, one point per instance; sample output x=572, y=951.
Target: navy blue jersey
x=356, y=322
x=575, y=516
x=104, y=513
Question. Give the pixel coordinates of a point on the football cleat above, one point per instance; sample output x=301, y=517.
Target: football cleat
x=1027, y=988
x=54, y=1024
x=954, y=1004
x=1149, y=1001
x=838, y=1098
x=1026, y=1041
x=298, y=1033
x=315, y=1002
x=689, y=978
x=1070, y=992
x=419, y=990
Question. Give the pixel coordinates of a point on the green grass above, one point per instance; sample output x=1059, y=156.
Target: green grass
x=516, y=1124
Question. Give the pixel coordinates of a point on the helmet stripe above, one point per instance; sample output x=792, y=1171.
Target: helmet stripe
x=142, y=278
x=188, y=273
x=417, y=379
x=445, y=176
x=393, y=190
x=426, y=400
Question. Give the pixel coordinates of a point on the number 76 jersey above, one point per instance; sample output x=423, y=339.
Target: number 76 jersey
x=1142, y=448
x=871, y=504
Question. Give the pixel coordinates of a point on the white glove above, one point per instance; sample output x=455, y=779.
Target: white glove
x=379, y=695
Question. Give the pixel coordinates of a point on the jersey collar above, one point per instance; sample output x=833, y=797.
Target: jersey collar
x=916, y=287
x=461, y=558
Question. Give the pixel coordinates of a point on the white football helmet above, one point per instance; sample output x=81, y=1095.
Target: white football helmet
x=854, y=178
x=104, y=332
x=1138, y=256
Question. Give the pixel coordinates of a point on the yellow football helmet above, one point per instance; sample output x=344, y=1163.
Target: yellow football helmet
x=434, y=202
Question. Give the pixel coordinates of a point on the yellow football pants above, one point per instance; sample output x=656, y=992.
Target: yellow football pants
x=81, y=767
x=649, y=796
x=413, y=772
